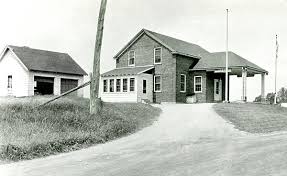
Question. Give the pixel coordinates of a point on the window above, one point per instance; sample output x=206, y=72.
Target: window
x=118, y=85
x=112, y=85
x=197, y=84
x=125, y=85
x=10, y=81
x=132, y=84
x=117, y=60
x=217, y=87
x=144, y=86
x=105, y=86
x=157, y=83
x=157, y=55
x=182, y=83
x=131, y=59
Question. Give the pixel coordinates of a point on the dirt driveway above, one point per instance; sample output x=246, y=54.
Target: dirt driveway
x=186, y=140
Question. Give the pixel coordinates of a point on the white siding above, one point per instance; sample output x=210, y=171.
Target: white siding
x=119, y=96
x=149, y=88
x=136, y=96
x=10, y=65
x=57, y=81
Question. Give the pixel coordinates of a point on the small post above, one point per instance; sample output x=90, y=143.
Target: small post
x=244, y=84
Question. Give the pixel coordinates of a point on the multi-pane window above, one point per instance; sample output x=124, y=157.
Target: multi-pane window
x=157, y=55
x=131, y=59
x=125, y=85
x=105, y=86
x=118, y=85
x=197, y=84
x=10, y=81
x=217, y=87
x=132, y=84
x=112, y=85
x=144, y=86
x=157, y=83
x=182, y=83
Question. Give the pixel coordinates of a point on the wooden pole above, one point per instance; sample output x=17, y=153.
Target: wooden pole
x=66, y=93
x=95, y=102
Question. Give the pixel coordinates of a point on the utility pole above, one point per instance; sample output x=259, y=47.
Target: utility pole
x=95, y=101
x=226, y=60
x=276, y=58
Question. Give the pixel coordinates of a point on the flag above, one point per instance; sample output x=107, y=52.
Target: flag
x=277, y=47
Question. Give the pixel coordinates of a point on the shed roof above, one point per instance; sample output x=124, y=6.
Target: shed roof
x=47, y=61
x=127, y=71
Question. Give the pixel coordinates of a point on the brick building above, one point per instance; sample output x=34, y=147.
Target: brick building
x=157, y=68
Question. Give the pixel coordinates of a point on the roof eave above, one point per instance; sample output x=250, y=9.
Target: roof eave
x=184, y=54
x=216, y=68
x=55, y=72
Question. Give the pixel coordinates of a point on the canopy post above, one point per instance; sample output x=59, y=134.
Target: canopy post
x=244, y=84
x=262, y=87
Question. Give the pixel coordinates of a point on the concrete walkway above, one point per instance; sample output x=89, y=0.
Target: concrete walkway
x=186, y=140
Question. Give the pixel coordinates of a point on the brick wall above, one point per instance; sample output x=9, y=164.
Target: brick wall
x=182, y=67
x=201, y=97
x=144, y=55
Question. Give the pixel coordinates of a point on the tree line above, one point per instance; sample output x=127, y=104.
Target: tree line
x=281, y=97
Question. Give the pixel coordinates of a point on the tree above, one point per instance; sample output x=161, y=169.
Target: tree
x=270, y=98
x=95, y=101
x=282, y=95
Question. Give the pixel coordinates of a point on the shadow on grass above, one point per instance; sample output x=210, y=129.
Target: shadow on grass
x=65, y=125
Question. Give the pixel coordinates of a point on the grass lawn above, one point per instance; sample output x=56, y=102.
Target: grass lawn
x=254, y=118
x=65, y=125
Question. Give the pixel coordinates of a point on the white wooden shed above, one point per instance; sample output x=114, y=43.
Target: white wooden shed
x=26, y=72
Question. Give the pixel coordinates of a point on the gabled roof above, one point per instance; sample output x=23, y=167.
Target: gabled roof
x=217, y=60
x=46, y=61
x=176, y=46
x=127, y=71
x=206, y=61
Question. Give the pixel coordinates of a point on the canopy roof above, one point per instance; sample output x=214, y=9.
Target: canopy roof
x=216, y=61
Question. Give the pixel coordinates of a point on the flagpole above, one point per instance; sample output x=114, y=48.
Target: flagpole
x=226, y=60
x=275, y=95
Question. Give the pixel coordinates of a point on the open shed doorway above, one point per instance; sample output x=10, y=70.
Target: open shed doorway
x=43, y=85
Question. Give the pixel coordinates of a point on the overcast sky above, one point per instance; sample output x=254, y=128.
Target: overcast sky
x=70, y=26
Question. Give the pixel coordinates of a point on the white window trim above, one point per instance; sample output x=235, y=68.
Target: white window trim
x=195, y=84
x=134, y=84
x=184, y=83
x=107, y=81
x=123, y=85
x=131, y=65
x=113, y=85
x=120, y=85
x=160, y=55
x=154, y=83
